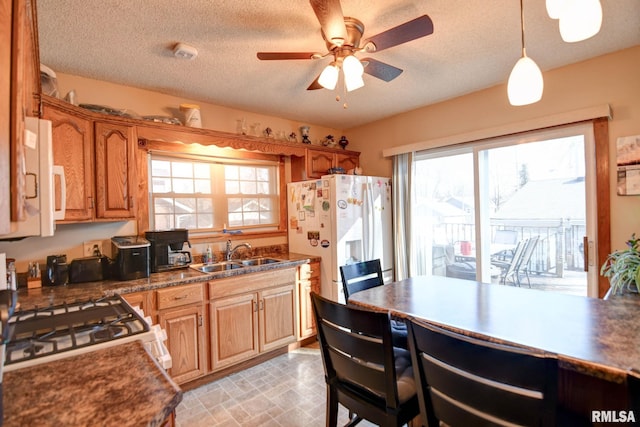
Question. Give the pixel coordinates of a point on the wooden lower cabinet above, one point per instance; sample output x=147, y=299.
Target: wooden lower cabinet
x=234, y=329
x=251, y=314
x=308, y=281
x=181, y=314
x=144, y=300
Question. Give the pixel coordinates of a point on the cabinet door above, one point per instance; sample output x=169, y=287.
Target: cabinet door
x=306, y=326
x=144, y=300
x=234, y=329
x=185, y=341
x=277, y=317
x=308, y=281
x=115, y=170
x=318, y=163
x=347, y=161
x=73, y=150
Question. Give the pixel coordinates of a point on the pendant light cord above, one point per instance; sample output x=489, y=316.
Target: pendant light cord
x=524, y=53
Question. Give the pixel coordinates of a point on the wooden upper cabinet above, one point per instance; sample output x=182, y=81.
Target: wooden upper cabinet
x=19, y=89
x=73, y=150
x=317, y=162
x=98, y=158
x=115, y=170
x=347, y=161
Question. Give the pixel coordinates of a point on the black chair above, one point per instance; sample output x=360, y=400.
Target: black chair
x=365, y=275
x=463, y=381
x=363, y=371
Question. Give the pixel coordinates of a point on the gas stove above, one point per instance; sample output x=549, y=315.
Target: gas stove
x=50, y=333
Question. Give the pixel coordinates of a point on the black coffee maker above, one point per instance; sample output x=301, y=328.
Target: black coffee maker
x=57, y=271
x=167, y=251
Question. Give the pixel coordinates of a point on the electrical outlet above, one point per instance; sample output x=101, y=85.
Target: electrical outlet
x=90, y=247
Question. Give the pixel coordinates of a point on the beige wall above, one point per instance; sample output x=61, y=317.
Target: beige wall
x=612, y=79
x=148, y=103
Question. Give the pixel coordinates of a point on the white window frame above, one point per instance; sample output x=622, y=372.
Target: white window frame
x=218, y=193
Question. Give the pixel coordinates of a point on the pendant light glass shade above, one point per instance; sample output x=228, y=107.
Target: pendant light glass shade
x=554, y=8
x=525, y=82
x=580, y=20
x=353, y=82
x=353, y=70
x=329, y=77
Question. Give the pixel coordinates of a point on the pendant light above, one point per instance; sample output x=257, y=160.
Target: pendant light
x=580, y=19
x=525, y=84
x=554, y=8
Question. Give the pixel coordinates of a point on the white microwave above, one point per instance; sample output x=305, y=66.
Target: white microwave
x=40, y=174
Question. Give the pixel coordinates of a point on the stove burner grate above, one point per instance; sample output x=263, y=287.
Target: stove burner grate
x=52, y=330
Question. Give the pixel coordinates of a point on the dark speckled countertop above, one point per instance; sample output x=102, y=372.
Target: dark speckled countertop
x=589, y=335
x=91, y=389
x=56, y=295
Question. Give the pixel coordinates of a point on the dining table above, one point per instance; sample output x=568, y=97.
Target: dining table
x=597, y=342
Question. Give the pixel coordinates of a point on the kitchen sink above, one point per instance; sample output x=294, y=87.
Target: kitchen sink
x=259, y=261
x=218, y=266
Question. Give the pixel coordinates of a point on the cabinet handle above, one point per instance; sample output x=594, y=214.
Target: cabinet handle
x=90, y=202
x=255, y=305
x=180, y=297
x=200, y=320
x=261, y=304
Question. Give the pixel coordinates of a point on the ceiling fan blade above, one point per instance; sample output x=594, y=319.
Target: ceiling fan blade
x=411, y=30
x=329, y=14
x=286, y=55
x=315, y=85
x=380, y=70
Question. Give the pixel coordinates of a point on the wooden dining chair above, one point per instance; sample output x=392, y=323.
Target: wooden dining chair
x=463, y=381
x=360, y=276
x=363, y=371
x=366, y=275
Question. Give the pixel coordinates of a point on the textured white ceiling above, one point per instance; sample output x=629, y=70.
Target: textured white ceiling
x=474, y=45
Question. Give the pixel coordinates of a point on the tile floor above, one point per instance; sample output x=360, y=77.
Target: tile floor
x=287, y=391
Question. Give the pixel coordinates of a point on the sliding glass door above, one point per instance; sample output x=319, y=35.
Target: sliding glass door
x=512, y=211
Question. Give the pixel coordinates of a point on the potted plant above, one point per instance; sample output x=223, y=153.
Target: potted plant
x=622, y=268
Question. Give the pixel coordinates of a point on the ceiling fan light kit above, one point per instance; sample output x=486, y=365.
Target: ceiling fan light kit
x=342, y=36
x=329, y=76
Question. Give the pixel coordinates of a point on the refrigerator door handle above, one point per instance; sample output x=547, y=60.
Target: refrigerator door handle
x=368, y=237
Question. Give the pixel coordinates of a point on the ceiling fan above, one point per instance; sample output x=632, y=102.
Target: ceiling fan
x=342, y=36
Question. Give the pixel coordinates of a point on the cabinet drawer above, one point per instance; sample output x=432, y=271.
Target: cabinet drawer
x=250, y=282
x=179, y=295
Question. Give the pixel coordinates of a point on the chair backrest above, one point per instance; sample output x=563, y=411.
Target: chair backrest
x=360, y=276
x=528, y=251
x=465, y=381
x=517, y=257
x=357, y=353
x=507, y=237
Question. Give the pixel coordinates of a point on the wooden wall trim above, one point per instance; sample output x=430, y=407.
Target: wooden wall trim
x=603, y=197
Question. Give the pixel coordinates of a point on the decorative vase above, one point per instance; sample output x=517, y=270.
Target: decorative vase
x=304, y=131
x=343, y=142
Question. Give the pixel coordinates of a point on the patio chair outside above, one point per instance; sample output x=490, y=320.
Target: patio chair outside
x=510, y=267
x=523, y=266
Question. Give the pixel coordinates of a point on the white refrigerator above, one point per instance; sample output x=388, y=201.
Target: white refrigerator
x=342, y=219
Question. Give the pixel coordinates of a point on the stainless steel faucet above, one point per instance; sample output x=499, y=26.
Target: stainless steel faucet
x=231, y=251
